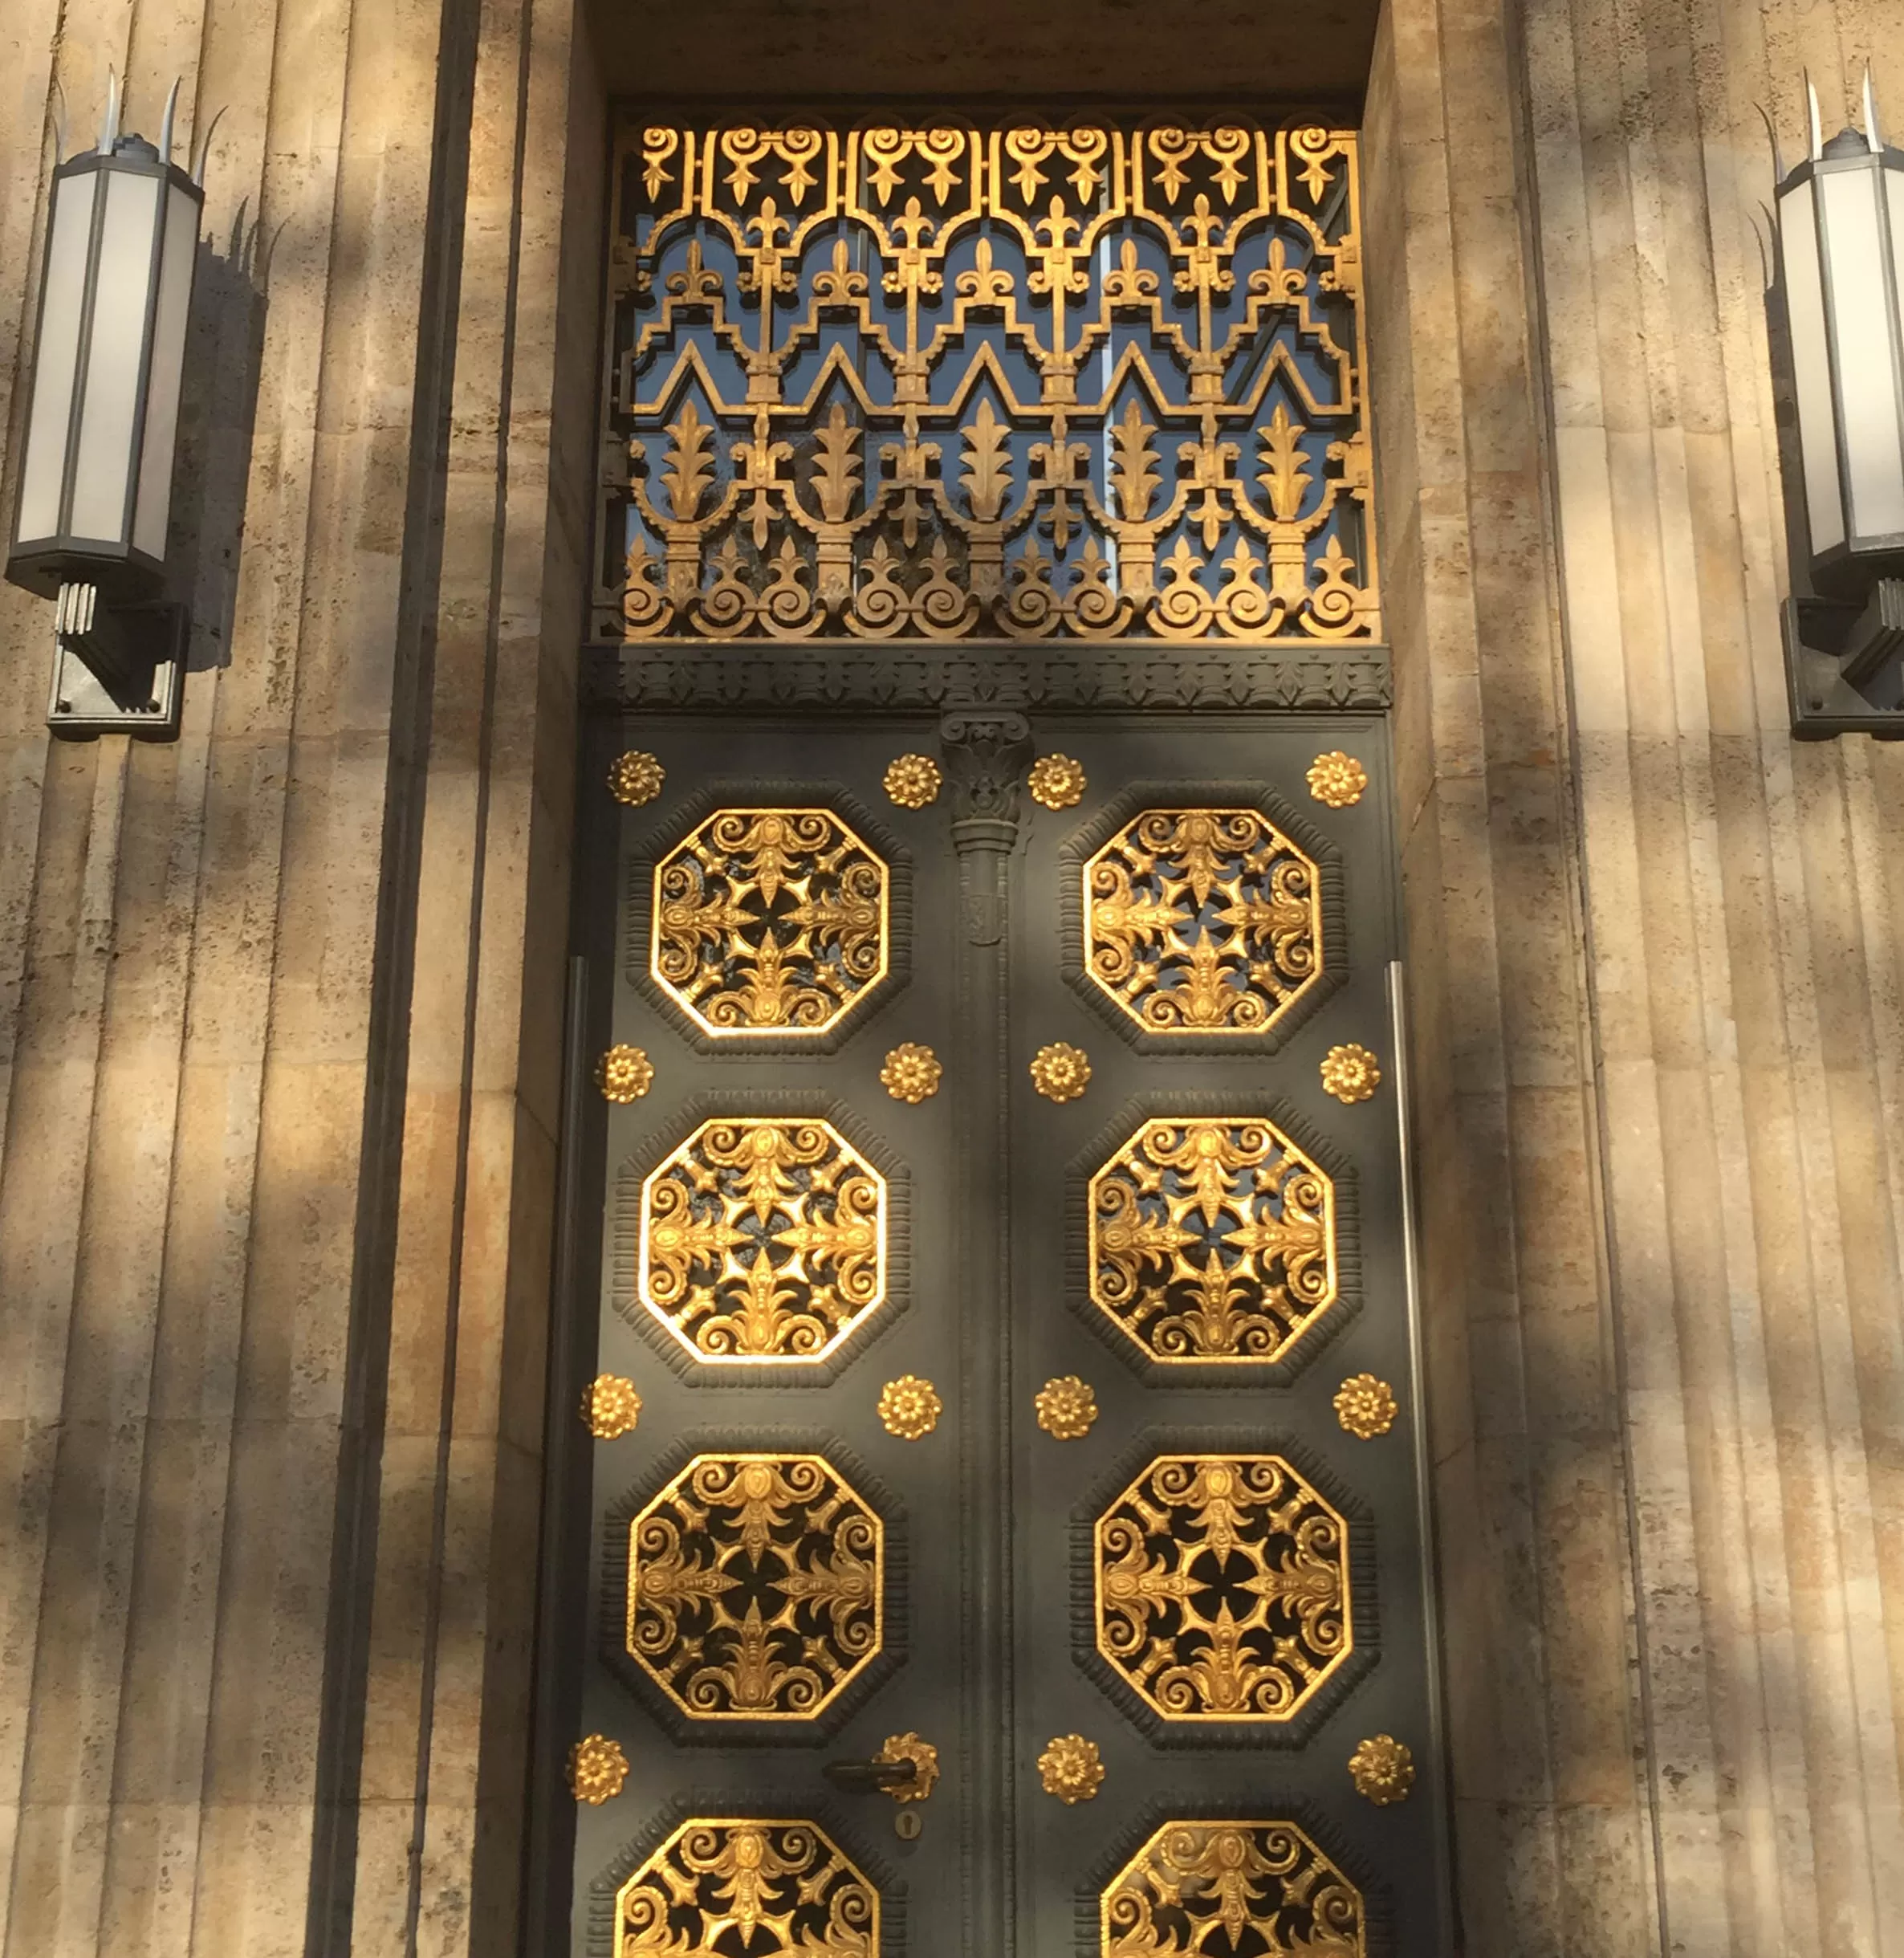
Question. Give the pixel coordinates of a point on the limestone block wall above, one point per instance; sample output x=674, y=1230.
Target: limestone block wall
x=1659, y=956
x=276, y=1190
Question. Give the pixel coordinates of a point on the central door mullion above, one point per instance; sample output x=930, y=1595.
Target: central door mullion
x=985, y=751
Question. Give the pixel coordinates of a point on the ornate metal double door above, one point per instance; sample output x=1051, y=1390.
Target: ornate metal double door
x=1005, y=1513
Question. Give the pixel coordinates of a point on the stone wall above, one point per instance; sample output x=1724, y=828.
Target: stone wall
x=278, y=1022
x=1658, y=955
x=277, y=1063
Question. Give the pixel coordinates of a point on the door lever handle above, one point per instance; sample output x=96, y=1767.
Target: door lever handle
x=860, y=1778
x=906, y=1767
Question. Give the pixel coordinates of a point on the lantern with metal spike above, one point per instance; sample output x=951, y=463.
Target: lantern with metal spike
x=1840, y=232
x=95, y=495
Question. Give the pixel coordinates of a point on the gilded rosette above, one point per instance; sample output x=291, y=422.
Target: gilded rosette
x=1383, y=1770
x=611, y=1406
x=1350, y=1073
x=624, y=1074
x=1057, y=782
x=1072, y=1769
x=1066, y=1407
x=597, y=1767
x=914, y=781
x=911, y=1073
x=636, y=778
x=925, y=1758
x=1337, y=780
x=1060, y=1073
x=910, y=1408
x=1365, y=1406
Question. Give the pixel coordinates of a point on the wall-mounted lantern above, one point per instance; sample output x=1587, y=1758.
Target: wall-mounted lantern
x=1841, y=233
x=95, y=490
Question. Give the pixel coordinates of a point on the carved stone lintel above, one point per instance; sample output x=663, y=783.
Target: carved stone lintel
x=986, y=750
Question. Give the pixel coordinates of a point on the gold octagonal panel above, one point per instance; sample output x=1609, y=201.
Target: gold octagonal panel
x=1232, y=1887
x=1212, y=1241
x=756, y=1587
x=1223, y=1588
x=764, y=1241
x=733, y=1885
x=770, y=923
x=1202, y=922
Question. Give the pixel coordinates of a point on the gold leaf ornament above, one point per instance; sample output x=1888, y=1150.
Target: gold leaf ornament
x=636, y=778
x=610, y=1407
x=912, y=1073
x=1383, y=1770
x=1350, y=1073
x=910, y=1408
x=925, y=1758
x=1337, y=780
x=914, y=781
x=1066, y=1407
x=624, y=1074
x=597, y=1769
x=1072, y=1769
x=1057, y=782
x=1060, y=1073
x=1366, y=1406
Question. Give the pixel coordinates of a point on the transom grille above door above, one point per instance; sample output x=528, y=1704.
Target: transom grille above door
x=964, y=381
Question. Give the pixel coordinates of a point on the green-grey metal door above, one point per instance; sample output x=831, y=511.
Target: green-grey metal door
x=1019, y=1545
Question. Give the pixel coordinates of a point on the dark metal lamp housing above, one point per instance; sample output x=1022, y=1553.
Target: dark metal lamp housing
x=95, y=481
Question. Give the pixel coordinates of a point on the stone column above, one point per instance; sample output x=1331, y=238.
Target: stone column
x=1658, y=953
x=277, y=1067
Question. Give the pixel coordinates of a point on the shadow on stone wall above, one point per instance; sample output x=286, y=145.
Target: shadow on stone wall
x=217, y=415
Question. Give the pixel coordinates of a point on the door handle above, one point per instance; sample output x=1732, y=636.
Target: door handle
x=906, y=1767
x=885, y=1777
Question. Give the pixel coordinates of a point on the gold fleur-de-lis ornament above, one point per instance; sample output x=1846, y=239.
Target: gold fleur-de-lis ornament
x=624, y=1074
x=1072, y=1769
x=1382, y=1769
x=911, y=1073
x=1060, y=1071
x=1057, y=782
x=610, y=1407
x=1337, y=780
x=914, y=781
x=636, y=778
x=597, y=1767
x=910, y=1408
x=1350, y=1073
x=1365, y=1406
x=1066, y=1407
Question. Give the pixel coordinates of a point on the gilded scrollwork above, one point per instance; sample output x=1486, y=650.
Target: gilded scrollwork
x=769, y=923
x=1211, y=1241
x=1202, y=922
x=1230, y=1887
x=755, y=1587
x=1223, y=1588
x=762, y=1241
x=1098, y=381
x=724, y=1885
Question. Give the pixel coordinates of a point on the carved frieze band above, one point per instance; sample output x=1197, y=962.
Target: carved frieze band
x=615, y=679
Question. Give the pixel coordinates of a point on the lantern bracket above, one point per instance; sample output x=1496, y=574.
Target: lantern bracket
x=117, y=668
x=1845, y=663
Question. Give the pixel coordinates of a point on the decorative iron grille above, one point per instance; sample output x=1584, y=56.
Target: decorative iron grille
x=1093, y=381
